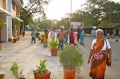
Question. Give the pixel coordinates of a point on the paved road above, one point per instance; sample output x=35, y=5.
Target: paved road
x=28, y=54
x=112, y=72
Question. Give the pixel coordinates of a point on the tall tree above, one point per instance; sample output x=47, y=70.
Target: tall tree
x=102, y=11
x=31, y=8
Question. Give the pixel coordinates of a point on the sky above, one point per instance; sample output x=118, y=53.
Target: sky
x=58, y=8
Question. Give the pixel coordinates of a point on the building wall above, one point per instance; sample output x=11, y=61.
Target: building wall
x=4, y=30
x=3, y=17
x=4, y=6
x=1, y=3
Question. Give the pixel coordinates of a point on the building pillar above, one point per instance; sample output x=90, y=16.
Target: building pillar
x=9, y=18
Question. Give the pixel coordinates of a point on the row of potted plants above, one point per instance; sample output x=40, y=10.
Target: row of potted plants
x=70, y=58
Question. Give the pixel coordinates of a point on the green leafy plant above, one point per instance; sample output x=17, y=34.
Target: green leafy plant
x=16, y=23
x=71, y=58
x=15, y=70
x=2, y=24
x=45, y=40
x=43, y=36
x=41, y=68
x=54, y=44
x=37, y=34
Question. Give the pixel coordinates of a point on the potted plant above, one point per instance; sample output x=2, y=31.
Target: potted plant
x=15, y=71
x=2, y=25
x=71, y=59
x=14, y=39
x=41, y=72
x=2, y=75
x=54, y=47
x=37, y=34
x=42, y=38
x=117, y=38
x=45, y=42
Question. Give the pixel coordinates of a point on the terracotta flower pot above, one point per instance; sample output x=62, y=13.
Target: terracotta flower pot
x=69, y=74
x=43, y=76
x=0, y=46
x=42, y=40
x=39, y=38
x=2, y=76
x=14, y=40
x=54, y=52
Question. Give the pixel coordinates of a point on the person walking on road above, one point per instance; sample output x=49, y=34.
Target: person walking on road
x=75, y=37
x=61, y=36
x=33, y=35
x=46, y=34
x=71, y=37
x=52, y=34
x=82, y=35
x=78, y=33
x=100, y=56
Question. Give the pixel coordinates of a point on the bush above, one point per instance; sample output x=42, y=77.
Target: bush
x=71, y=58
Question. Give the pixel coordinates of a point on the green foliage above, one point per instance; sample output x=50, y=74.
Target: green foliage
x=16, y=23
x=14, y=69
x=63, y=21
x=2, y=24
x=43, y=36
x=71, y=58
x=31, y=8
x=37, y=34
x=54, y=44
x=37, y=29
x=42, y=67
x=98, y=13
x=45, y=40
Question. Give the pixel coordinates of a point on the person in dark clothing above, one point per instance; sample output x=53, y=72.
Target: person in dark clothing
x=78, y=33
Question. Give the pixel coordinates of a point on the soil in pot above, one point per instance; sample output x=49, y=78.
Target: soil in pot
x=22, y=78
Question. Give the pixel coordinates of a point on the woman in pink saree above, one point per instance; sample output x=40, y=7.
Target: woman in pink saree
x=75, y=37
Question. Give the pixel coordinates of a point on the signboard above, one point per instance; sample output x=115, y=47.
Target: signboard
x=94, y=27
x=75, y=25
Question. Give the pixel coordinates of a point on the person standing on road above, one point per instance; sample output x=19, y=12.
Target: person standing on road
x=71, y=37
x=61, y=36
x=46, y=34
x=78, y=33
x=100, y=56
x=52, y=34
x=75, y=37
x=33, y=35
x=82, y=35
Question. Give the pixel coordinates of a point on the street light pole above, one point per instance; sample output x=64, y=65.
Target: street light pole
x=71, y=7
x=70, y=12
